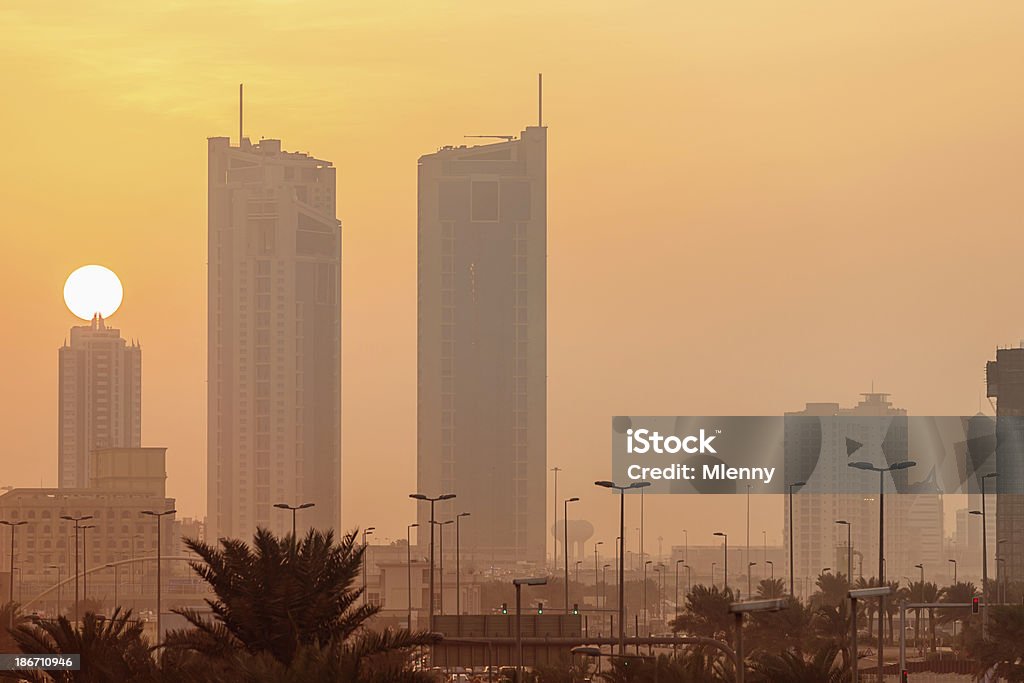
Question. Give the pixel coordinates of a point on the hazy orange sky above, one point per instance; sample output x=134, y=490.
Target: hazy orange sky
x=751, y=205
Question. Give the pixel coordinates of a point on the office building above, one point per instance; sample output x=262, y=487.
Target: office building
x=1005, y=376
x=482, y=338
x=274, y=373
x=100, y=398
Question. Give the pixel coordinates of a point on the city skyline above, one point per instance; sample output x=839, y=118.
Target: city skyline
x=806, y=189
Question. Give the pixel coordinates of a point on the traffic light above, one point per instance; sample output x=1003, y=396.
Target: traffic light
x=575, y=608
x=975, y=604
x=540, y=608
x=504, y=608
x=905, y=676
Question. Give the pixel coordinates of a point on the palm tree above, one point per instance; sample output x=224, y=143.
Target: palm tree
x=832, y=629
x=279, y=595
x=832, y=590
x=869, y=607
x=961, y=593
x=771, y=588
x=1002, y=653
x=11, y=616
x=111, y=649
x=706, y=613
x=788, y=667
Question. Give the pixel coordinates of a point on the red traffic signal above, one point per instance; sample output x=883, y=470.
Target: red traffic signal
x=975, y=604
x=904, y=676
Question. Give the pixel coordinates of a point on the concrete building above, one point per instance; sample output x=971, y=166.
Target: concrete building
x=274, y=390
x=914, y=518
x=124, y=482
x=1005, y=378
x=100, y=398
x=482, y=343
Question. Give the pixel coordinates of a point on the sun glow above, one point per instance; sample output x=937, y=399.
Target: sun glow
x=91, y=290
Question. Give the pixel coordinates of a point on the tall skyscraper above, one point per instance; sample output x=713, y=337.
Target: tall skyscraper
x=100, y=398
x=1005, y=377
x=482, y=342
x=274, y=375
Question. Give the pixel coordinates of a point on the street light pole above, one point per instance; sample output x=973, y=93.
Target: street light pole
x=13, y=526
x=57, y=567
x=597, y=600
x=792, y=535
x=954, y=572
x=440, y=565
x=725, y=577
x=554, y=513
x=420, y=496
x=408, y=570
x=678, y=562
x=85, y=562
x=849, y=549
x=902, y=465
x=458, y=573
x=565, y=546
x=519, y=583
x=622, y=551
x=366, y=532
x=77, y=521
x=293, y=508
x=159, y=523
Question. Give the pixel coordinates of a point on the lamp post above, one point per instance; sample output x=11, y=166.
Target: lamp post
x=644, y=594
x=159, y=523
x=13, y=526
x=1001, y=573
x=622, y=551
x=408, y=570
x=117, y=575
x=597, y=601
x=420, y=496
x=565, y=545
x=750, y=566
x=458, y=573
x=738, y=609
x=866, y=466
x=519, y=583
x=604, y=585
x=85, y=562
x=578, y=563
x=863, y=594
x=921, y=567
x=849, y=549
x=954, y=572
x=772, y=565
x=440, y=565
x=678, y=562
x=294, y=509
x=57, y=567
x=713, y=565
x=77, y=521
x=367, y=531
x=689, y=578
x=792, y=534
x=725, y=576
x=554, y=513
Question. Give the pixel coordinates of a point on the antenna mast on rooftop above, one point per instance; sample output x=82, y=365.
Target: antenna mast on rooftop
x=239, y=114
x=540, y=100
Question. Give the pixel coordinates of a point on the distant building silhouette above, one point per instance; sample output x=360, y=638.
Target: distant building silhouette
x=100, y=398
x=1005, y=377
x=482, y=342
x=914, y=519
x=274, y=389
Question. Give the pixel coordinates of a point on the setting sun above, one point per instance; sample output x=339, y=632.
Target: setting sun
x=91, y=290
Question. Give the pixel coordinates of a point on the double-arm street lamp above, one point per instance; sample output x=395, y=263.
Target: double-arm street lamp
x=622, y=551
x=294, y=509
x=159, y=523
x=77, y=521
x=440, y=565
x=420, y=496
x=896, y=466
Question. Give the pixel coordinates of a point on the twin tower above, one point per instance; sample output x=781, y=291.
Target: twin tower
x=274, y=390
